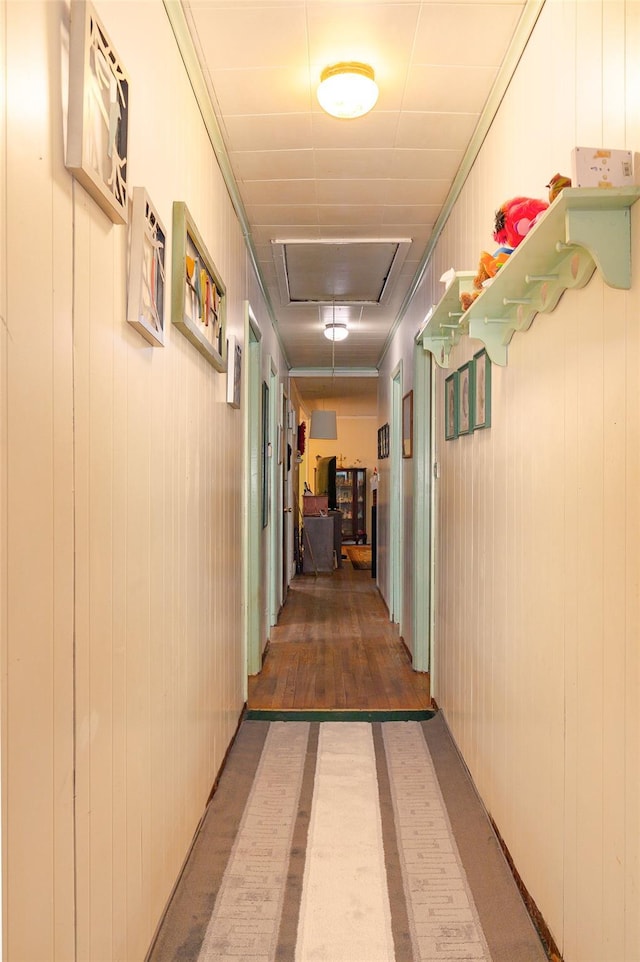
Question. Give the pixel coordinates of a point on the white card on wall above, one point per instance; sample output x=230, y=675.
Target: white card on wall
x=601, y=167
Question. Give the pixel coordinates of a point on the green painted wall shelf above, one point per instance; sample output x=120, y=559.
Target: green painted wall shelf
x=583, y=229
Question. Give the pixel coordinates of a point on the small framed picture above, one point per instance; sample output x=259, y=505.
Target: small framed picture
x=383, y=442
x=98, y=113
x=482, y=390
x=465, y=398
x=407, y=425
x=234, y=371
x=451, y=406
x=198, y=295
x=145, y=299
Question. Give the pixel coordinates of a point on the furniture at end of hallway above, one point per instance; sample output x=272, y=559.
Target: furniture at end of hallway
x=351, y=499
x=319, y=543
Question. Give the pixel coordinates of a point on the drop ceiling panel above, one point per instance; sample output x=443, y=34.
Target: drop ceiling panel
x=376, y=129
x=272, y=164
x=337, y=272
x=269, y=132
x=274, y=90
x=435, y=131
x=279, y=192
x=454, y=89
x=414, y=163
x=351, y=162
x=249, y=35
x=438, y=34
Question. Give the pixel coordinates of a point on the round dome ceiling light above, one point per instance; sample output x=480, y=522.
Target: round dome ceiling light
x=336, y=331
x=347, y=90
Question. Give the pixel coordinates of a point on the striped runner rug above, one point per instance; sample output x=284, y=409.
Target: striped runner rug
x=331, y=842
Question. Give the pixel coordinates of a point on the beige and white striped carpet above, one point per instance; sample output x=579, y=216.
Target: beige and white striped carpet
x=331, y=842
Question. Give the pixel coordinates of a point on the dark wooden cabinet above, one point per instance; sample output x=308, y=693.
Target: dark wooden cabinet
x=351, y=501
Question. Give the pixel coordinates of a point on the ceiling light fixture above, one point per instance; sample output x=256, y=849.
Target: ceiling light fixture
x=336, y=330
x=347, y=90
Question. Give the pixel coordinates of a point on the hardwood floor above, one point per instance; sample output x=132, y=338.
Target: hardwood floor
x=334, y=648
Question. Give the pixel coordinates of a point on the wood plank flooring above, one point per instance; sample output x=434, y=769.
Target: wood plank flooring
x=334, y=648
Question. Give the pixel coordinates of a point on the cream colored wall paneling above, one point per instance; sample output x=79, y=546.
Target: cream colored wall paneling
x=537, y=582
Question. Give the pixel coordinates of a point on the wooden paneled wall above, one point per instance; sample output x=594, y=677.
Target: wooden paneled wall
x=123, y=666
x=538, y=566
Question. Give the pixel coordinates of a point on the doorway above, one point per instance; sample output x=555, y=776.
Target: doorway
x=396, y=520
x=253, y=492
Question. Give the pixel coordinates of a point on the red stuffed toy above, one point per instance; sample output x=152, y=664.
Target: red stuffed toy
x=515, y=218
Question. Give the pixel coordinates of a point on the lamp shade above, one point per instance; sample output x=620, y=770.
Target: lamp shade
x=323, y=425
x=347, y=90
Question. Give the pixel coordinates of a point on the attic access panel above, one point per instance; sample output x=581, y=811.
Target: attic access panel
x=349, y=271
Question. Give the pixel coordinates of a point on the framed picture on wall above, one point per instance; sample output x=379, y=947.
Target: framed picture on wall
x=145, y=298
x=383, y=442
x=482, y=390
x=451, y=406
x=234, y=371
x=465, y=398
x=198, y=295
x=407, y=425
x=98, y=117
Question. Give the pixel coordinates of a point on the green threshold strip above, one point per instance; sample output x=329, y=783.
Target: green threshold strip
x=338, y=715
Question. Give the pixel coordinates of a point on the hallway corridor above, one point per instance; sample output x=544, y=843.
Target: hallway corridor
x=344, y=827
x=334, y=648
x=345, y=842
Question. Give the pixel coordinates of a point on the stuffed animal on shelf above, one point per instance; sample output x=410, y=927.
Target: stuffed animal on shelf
x=488, y=267
x=515, y=218
x=557, y=184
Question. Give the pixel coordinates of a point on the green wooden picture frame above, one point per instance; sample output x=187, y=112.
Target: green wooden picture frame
x=451, y=406
x=198, y=294
x=466, y=398
x=482, y=390
x=407, y=425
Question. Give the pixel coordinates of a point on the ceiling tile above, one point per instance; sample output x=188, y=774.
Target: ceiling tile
x=444, y=31
x=282, y=214
x=353, y=163
x=276, y=164
x=268, y=131
x=276, y=90
x=279, y=192
x=350, y=214
x=379, y=34
x=375, y=129
x=436, y=130
x=412, y=214
x=250, y=35
x=448, y=88
x=414, y=163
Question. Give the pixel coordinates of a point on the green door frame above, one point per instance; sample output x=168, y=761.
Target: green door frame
x=275, y=496
x=422, y=509
x=395, y=500
x=252, y=528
